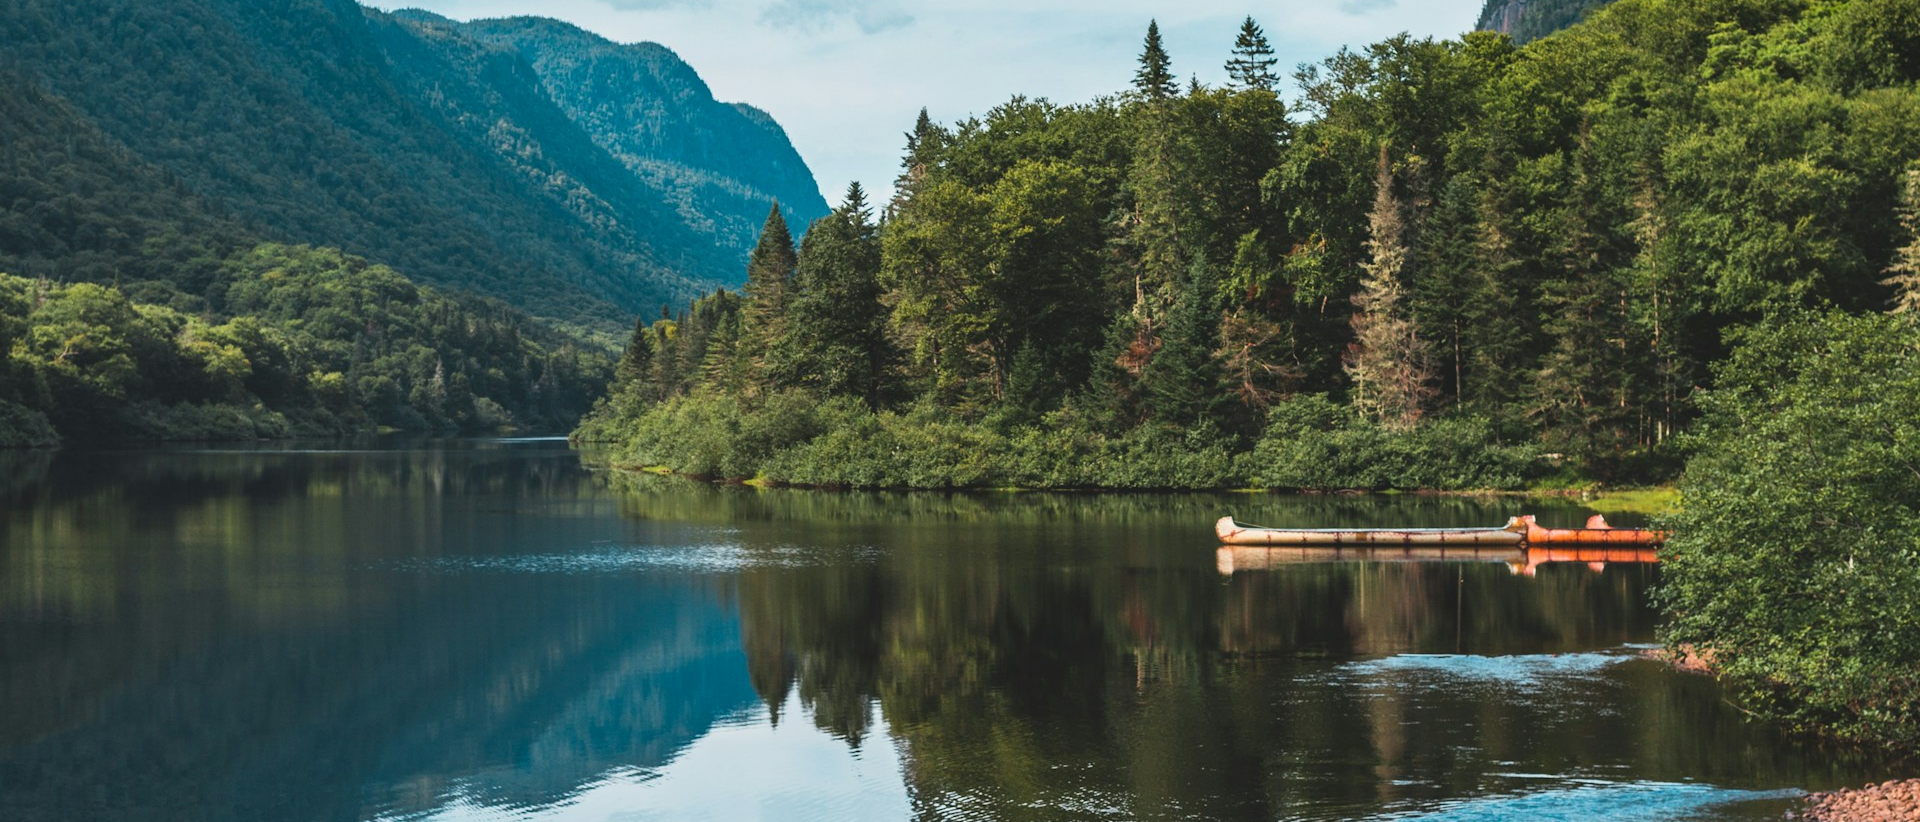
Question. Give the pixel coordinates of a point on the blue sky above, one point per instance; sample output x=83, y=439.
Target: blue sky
x=847, y=77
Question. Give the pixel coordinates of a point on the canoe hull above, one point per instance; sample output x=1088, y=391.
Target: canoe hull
x=1232, y=532
x=1597, y=532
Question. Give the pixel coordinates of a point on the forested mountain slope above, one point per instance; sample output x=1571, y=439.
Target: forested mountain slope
x=319, y=121
x=717, y=163
x=1529, y=20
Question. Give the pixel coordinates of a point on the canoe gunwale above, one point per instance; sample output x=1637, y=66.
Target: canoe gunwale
x=1519, y=531
x=1234, y=532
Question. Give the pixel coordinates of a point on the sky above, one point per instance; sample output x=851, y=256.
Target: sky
x=846, y=78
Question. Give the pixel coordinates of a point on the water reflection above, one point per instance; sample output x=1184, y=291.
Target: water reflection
x=489, y=631
x=1523, y=561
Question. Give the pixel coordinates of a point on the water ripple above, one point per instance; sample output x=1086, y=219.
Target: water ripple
x=1518, y=671
x=709, y=558
x=1584, y=802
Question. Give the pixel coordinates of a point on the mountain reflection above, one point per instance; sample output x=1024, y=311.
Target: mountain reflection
x=226, y=636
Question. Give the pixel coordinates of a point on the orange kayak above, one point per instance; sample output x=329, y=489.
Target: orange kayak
x=1597, y=532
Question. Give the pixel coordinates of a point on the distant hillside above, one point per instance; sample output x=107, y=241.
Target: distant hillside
x=717, y=163
x=402, y=138
x=1528, y=20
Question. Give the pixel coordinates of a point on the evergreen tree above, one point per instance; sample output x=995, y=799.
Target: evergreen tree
x=924, y=144
x=637, y=362
x=1184, y=381
x=1154, y=80
x=1581, y=395
x=1392, y=380
x=1905, y=270
x=837, y=339
x=769, y=279
x=1251, y=67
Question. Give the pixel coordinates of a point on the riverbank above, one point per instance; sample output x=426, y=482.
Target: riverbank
x=1648, y=501
x=1890, y=801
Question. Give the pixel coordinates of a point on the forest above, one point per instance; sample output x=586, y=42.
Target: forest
x=1451, y=264
x=1679, y=241
x=525, y=160
x=303, y=342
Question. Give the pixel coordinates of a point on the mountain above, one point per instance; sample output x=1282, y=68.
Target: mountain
x=717, y=163
x=1528, y=20
x=434, y=147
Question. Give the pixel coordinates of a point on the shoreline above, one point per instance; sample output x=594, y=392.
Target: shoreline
x=1655, y=499
x=1894, y=799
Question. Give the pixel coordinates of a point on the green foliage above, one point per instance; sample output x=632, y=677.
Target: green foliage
x=526, y=160
x=23, y=427
x=1797, y=547
x=1154, y=80
x=1519, y=261
x=1251, y=67
x=836, y=338
x=319, y=342
x=796, y=437
x=1314, y=443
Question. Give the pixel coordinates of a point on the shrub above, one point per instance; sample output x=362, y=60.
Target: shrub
x=1796, y=552
x=23, y=427
x=1310, y=442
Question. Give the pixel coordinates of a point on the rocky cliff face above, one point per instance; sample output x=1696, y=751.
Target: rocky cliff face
x=1527, y=20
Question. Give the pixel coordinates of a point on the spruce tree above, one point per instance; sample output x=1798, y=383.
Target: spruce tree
x=1392, y=380
x=924, y=143
x=1184, y=382
x=1251, y=67
x=1582, y=397
x=769, y=279
x=836, y=338
x=637, y=362
x=1154, y=80
x=1905, y=269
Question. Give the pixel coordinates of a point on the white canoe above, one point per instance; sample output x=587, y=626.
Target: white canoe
x=1234, y=532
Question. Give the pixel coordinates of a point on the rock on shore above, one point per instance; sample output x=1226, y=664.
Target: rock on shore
x=1890, y=801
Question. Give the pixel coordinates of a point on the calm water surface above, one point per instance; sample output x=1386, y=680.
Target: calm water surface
x=491, y=630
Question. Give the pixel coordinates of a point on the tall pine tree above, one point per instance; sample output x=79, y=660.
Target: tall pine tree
x=1184, y=381
x=836, y=337
x=770, y=271
x=924, y=143
x=1251, y=67
x=1388, y=363
x=1154, y=80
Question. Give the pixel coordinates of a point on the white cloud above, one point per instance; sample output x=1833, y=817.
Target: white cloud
x=872, y=16
x=655, y=5
x=1363, y=7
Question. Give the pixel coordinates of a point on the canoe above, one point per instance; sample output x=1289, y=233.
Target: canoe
x=1234, y=532
x=1597, y=532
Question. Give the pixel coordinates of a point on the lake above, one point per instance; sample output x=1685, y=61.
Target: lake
x=498, y=630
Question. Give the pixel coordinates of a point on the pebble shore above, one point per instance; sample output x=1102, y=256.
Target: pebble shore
x=1890, y=801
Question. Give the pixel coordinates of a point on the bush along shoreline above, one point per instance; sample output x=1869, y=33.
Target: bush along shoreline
x=796, y=438
x=1796, y=547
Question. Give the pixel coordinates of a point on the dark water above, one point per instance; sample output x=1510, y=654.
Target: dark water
x=490, y=630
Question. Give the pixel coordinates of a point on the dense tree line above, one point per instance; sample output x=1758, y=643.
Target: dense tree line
x=1439, y=248
x=306, y=342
